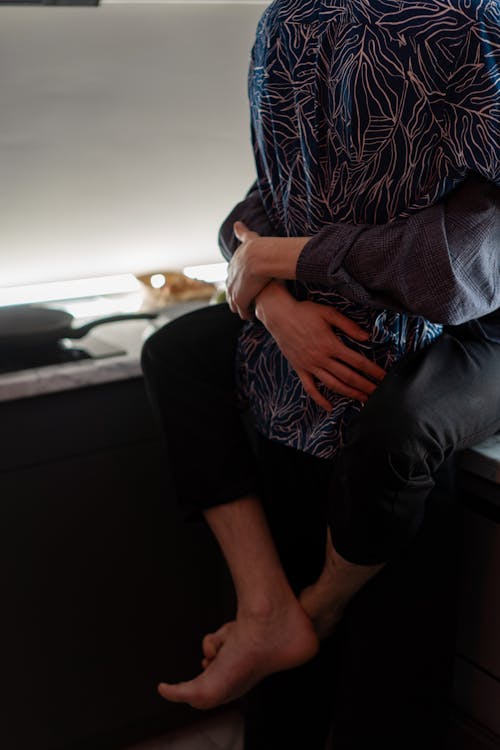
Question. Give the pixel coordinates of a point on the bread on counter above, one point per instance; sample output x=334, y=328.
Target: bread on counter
x=161, y=288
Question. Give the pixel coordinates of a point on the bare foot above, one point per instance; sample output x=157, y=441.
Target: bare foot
x=243, y=652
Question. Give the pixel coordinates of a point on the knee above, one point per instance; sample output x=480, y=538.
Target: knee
x=199, y=345
x=166, y=348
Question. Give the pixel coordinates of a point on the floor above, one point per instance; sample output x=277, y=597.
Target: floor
x=224, y=732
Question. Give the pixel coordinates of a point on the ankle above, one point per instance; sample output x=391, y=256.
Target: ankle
x=342, y=577
x=267, y=606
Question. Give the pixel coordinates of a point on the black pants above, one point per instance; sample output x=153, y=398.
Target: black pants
x=388, y=666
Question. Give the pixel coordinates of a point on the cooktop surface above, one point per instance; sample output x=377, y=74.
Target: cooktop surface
x=63, y=352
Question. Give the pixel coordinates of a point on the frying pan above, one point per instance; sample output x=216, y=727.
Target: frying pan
x=28, y=326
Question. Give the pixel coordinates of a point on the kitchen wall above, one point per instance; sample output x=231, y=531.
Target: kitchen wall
x=124, y=135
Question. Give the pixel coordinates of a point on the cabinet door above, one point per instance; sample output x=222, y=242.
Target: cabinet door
x=105, y=592
x=477, y=682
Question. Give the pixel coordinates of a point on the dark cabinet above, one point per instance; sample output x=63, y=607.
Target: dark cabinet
x=105, y=591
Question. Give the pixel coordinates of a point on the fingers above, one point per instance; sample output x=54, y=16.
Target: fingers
x=341, y=387
x=345, y=353
x=345, y=324
x=338, y=378
x=360, y=362
x=311, y=389
x=242, y=232
x=244, y=313
x=335, y=357
x=240, y=304
x=333, y=383
x=347, y=375
x=234, y=307
x=230, y=301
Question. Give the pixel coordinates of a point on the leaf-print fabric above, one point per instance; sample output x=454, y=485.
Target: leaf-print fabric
x=361, y=112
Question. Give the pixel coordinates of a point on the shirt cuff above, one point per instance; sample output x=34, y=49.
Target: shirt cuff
x=324, y=253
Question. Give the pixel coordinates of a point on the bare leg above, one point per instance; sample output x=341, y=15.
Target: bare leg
x=271, y=632
x=327, y=598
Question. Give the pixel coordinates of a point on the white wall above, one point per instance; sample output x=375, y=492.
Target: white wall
x=124, y=135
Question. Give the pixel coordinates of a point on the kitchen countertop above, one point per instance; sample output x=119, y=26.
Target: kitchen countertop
x=482, y=460
x=128, y=335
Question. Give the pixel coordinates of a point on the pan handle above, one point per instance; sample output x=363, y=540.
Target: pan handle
x=78, y=333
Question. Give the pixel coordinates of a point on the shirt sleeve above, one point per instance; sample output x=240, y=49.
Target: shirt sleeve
x=442, y=263
x=252, y=213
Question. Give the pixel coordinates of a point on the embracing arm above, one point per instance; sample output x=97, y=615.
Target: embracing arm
x=442, y=262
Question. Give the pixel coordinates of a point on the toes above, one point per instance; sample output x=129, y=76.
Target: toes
x=182, y=692
x=171, y=692
x=213, y=641
x=222, y=633
x=209, y=646
x=186, y=692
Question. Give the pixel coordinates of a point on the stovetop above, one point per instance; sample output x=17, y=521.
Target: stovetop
x=63, y=352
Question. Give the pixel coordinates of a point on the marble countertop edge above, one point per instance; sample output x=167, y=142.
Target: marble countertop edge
x=69, y=376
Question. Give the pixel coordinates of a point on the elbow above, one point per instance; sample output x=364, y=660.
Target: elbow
x=451, y=313
x=454, y=316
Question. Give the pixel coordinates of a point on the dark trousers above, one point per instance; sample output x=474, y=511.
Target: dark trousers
x=388, y=667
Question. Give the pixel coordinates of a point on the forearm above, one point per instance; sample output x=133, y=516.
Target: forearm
x=275, y=293
x=277, y=257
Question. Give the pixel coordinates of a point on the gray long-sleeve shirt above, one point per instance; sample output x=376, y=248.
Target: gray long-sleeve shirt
x=442, y=262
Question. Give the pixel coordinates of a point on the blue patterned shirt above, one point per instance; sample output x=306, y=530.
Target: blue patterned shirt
x=361, y=112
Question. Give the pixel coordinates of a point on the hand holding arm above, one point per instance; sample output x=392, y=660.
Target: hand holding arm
x=251, y=267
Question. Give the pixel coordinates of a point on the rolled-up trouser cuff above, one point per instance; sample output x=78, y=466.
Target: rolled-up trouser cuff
x=193, y=512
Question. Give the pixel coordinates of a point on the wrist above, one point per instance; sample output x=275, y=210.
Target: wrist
x=273, y=298
x=277, y=256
